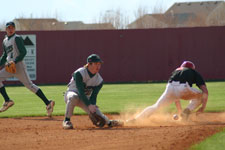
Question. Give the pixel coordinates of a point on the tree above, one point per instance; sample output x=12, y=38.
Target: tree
x=116, y=18
x=146, y=20
x=2, y=26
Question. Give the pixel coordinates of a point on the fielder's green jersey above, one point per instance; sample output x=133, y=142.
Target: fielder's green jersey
x=86, y=85
x=13, y=49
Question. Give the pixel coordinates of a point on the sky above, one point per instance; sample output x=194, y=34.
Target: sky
x=87, y=11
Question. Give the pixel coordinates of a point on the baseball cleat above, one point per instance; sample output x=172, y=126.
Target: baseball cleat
x=49, y=108
x=185, y=114
x=67, y=125
x=6, y=105
x=115, y=123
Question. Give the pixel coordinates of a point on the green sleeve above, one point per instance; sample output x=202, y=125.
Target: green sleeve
x=80, y=86
x=21, y=48
x=94, y=94
x=3, y=57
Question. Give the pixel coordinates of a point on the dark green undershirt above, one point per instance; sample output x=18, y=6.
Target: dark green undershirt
x=21, y=48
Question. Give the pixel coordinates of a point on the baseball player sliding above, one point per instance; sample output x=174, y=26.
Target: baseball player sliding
x=14, y=52
x=82, y=92
x=180, y=87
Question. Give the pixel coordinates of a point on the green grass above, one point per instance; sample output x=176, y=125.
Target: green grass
x=113, y=98
x=28, y=104
x=215, y=142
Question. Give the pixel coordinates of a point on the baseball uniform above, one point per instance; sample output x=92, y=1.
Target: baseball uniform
x=179, y=87
x=15, y=51
x=82, y=91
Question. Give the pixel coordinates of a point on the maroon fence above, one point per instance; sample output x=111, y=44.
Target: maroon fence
x=129, y=55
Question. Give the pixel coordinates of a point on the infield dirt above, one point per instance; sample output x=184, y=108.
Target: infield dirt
x=158, y=133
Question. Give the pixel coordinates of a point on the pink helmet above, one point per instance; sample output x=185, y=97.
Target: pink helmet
x=188, y=64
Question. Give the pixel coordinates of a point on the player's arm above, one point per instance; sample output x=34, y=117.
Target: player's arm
x=21, y=48
x=178, y=106
x=80, y=86
x=202, y=86
x=3, y=57
x=94, y=94
x=204, y=98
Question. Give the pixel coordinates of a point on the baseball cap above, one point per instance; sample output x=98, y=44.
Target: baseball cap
x=188, y=64
x=94, y=58
x=11, y=23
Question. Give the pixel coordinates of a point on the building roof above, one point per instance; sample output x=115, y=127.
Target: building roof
x=183, y=14
x=203, y=8
x=160, y=18
x=82, y=26
x=54, y=24
x=35, y=24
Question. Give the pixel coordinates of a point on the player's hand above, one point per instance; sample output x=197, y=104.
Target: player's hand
x=10, y=67
x=92, y=108
x=200, y=110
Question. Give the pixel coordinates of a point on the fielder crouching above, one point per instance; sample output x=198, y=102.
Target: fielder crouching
x=82, y=91
x=180, y=87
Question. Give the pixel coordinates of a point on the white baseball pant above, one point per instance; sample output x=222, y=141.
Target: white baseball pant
x=72, y=99
x=21, y=74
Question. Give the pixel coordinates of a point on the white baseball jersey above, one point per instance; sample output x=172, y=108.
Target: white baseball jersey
x=13, y=52
x=88, y=81
x=11, y=48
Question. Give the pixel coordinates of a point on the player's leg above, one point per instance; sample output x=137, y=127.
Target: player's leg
x=186, y=92
x=71, y=99
x=194, y=103
x=8, y=103
x=195, y=97
x=25, y=79
x=22, y=75
x=165, y=99
x=110, y=123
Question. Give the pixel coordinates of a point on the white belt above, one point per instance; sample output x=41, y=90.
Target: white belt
x=176, y=83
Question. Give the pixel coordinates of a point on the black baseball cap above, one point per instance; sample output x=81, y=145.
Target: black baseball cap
x=94, y=58
x=11, y=23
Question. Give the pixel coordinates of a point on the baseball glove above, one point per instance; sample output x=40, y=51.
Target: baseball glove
x=97, y=120
x=11, y=67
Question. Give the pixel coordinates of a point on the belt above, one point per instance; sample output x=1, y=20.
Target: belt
x=181, y=82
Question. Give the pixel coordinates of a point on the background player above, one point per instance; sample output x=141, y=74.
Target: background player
x=83, y=89
x=14, y=52
x=180, y=87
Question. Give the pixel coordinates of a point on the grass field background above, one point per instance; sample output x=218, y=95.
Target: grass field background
x=215, y=142
x=115, y=99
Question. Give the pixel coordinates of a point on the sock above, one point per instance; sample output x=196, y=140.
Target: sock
x=67, y=119
x=40, y=94
x=4, y=94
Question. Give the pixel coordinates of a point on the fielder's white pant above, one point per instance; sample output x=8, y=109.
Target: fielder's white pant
x=174, y=92
x=72, y=99
x=21, y=74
